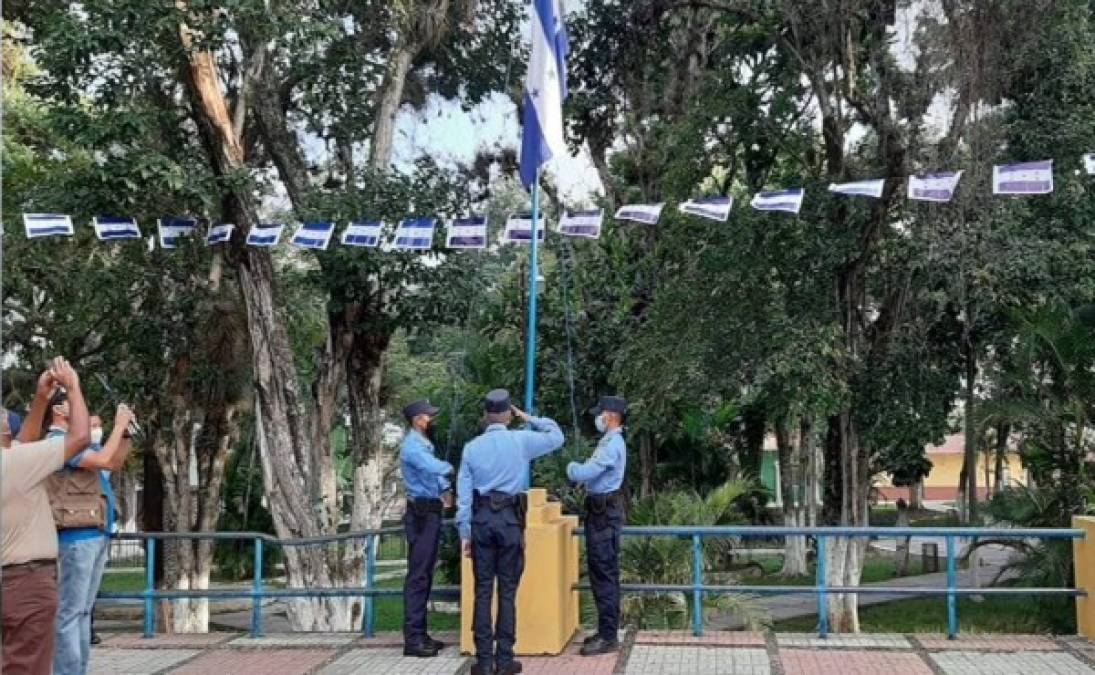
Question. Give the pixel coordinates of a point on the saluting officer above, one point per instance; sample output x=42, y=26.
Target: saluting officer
x=428, y=493
x=490, y=514
x=603, y=474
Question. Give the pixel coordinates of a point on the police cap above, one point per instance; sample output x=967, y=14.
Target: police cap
x=497, y=401
x=614, y=404
x=417, y=408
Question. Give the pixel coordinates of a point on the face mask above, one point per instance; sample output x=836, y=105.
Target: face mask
x=600, y=423
x=97, y=436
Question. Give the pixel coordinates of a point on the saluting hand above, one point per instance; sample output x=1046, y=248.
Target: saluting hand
x=519, y=414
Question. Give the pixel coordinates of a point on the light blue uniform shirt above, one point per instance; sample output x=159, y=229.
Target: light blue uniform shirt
x=497, y=461
x=423, y=473
x=604, y=471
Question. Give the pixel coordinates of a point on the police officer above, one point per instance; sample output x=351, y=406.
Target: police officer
x=490, y=514
x=428, y=493
x=603, y=474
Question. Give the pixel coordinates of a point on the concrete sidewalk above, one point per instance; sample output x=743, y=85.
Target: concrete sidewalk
x=643, y=653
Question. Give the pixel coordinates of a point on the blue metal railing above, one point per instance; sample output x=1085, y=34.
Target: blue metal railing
x=370, y=541
x=821, y=587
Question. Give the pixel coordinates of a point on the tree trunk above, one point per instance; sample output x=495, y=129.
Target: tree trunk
x=1003, y=429
x=846, y=505
x=399, y=64
x=969, y=458
x=794, y=510
x=648, y=464
x=916, y=495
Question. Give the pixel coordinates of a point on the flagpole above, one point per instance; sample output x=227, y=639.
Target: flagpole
x=533, y=281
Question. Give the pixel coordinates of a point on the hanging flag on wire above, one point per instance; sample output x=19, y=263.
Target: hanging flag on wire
x=519, y=229
x=363, y=233
x=860, y=188
x=712, y=208
x=173, y=230
x=640, y=213
x=582, y=223
x=467, y=233
x=545, y=90
x=789, y=201
x=1089, y=163
x=108, y=228
x=415, y=233
x=265, y=234
x=934, y=187
x=1027, y=178
x=47, y=225
x=313, y=235
x=219, y=234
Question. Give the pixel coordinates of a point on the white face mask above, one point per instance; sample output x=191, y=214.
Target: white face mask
x=97, y=436
x=600, y=423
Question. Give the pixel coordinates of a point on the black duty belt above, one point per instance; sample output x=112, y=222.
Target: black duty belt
x=600, y=502
x=423, y=505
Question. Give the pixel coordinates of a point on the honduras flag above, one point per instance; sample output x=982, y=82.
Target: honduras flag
x=219, y=234
x=545, y=89
x=415, y=233
x=363, y=233
x=467, y=233
x=789, y=201
x=109, y=228
x=172, y=230
x=715, y=208
x=313, y=235
x=265, y=234
x=1089, y=163
x=47, y=225
x=860, y=188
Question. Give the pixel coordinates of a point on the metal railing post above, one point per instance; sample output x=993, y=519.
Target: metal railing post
x=150, y=583
x=371, y=543
x=822, y=595
x=952, y=584
x=697, y=585
x=256, y=592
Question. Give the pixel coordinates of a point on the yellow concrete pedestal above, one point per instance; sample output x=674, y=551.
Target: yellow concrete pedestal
x=1083, y=559
x=547, y=608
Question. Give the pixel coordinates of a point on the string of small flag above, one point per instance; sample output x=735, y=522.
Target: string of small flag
x=1027, y=178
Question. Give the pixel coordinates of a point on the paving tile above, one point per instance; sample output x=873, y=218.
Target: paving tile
x=391, y=661
x=844, y=641
x=656, y=660
x=109, y=661
x=1023, y=663
x=264, y=661
x=570, y=662
x=851, y=662
x=178, y=640
x=719, y=638
x=296, y=640
x=989, y=643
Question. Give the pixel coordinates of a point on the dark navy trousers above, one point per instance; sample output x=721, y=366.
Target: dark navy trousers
x=423, y=530
x=603, y=556
x=498, y=553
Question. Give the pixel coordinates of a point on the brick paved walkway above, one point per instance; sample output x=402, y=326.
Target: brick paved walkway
x=643, y=653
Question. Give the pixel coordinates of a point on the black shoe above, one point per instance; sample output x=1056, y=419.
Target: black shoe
x=436, y=644
x=590, y=639
x=512, y=669
x=480, y=670
x=599, y=646
x=95, y=639
x=425, y=650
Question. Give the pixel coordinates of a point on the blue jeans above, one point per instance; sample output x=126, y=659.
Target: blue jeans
x=81, y=570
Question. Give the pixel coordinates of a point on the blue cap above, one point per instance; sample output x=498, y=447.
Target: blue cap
x=497, y=401
x=423, y=407
x=614, y=404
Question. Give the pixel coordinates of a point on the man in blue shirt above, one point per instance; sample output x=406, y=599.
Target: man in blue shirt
x=603, y=474
x=490, y=514
x=428, y=494
x=82, y=551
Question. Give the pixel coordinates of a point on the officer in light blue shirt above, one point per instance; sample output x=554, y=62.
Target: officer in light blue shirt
x=603, y=474
x=425, y=479
x=491, y=517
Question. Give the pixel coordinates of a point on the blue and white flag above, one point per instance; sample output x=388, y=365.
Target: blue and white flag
x=1089, y=163
x=640, y=213
x=713, y=208
x=467, y=233
x=545, y=89
x=1028, y=178
x=265, y=234
x=47, y=225
x=313, y=235
x=582, y=223
x=108, y=228
x=519, y=229
x=934, y=187
x=415, y=233
x=219, y=234
x=363, y=233
x=860, y=188
x=789, y=201
x=172, y=230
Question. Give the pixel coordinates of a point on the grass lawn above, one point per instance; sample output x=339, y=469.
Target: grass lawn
x=929, y=615
x=118, y=582
x=877, y=568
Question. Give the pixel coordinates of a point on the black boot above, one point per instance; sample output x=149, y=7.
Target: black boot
x=512, y=669
x=423, y=650
x=437, y=644
x=599, y=646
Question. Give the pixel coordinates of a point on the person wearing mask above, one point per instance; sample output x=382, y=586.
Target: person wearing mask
x=83, y=549
x=603, y=474
x=490, y=515
x=28, y=539
x=425, y=480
